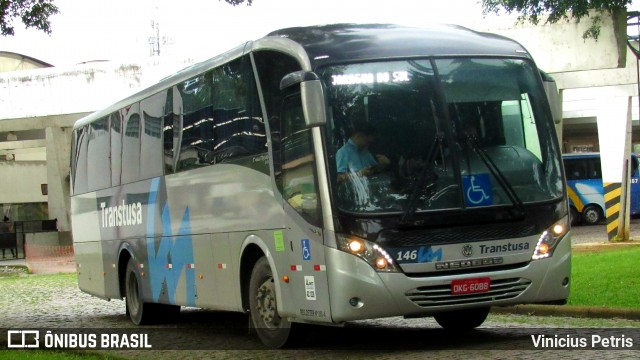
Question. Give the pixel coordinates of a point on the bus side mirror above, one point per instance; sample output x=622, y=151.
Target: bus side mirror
x=312, y=95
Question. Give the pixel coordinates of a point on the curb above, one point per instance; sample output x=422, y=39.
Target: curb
x=14, y=269
x=570, y=311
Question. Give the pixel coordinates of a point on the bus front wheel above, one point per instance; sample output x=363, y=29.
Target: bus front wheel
x=462, y=320
x=272, y=329
x=592, y=215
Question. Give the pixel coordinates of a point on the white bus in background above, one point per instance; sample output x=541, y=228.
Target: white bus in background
x=218, y=187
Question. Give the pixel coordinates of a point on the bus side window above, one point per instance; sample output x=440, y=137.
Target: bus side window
x=168, y=133
x=595, y=169
x=98, y=151
x=131, y=144
x=572, y=170
x=81, y=140
x=152, y=111
x=116, y=147
x=192, y=102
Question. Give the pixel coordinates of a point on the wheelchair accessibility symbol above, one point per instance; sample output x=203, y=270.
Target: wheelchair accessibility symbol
x=306, y=250
x=477, y=190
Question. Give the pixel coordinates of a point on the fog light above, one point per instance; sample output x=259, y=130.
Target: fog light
x=354, y=301
x=565, y=281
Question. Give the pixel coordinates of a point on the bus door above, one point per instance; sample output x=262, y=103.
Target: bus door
x=298, y=183
x=299, y=251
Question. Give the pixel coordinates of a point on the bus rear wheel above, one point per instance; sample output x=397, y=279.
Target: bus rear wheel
x=462, y=320
x=139, y=312
x=592, y=215
x=272, y=329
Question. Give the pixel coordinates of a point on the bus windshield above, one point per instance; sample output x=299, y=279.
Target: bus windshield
x=420, y=135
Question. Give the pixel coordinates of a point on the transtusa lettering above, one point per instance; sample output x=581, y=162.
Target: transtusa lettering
x=121, y=215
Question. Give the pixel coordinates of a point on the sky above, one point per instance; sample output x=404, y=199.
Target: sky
x=119, y=30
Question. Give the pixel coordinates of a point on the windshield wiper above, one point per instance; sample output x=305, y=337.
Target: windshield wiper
x=472, y=141
x=425, y=176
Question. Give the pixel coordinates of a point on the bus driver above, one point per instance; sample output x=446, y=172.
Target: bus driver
x=354, y=156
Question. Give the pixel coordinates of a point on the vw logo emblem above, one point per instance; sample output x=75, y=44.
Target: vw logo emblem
x=467, y=250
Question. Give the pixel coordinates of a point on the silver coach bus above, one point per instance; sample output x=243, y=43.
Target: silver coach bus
x=328, y=174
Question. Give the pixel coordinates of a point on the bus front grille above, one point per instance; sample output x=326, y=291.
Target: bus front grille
x=439, y=295
x=461, y=234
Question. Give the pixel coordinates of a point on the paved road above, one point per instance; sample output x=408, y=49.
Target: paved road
x=583, y=234
x=54, y=303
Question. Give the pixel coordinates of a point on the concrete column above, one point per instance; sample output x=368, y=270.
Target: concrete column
x=58, y=159
x=556, y=110
x=614, y=124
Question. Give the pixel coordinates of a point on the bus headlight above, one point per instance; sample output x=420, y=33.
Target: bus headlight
x=370, y=252
x=550, y=238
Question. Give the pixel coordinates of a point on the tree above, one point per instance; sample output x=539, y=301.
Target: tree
x=33, y=13
x=238, y=2
x=556, y=10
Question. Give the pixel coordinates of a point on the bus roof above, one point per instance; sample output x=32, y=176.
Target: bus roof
x=349, y=42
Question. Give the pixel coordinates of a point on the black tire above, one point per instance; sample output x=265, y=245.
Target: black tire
x=462, y=320
x=574, y=217
x=139, y=312
x=272, y=330
x=592, y=215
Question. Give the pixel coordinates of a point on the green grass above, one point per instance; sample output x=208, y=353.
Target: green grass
x=606, y=278
x=54, y=355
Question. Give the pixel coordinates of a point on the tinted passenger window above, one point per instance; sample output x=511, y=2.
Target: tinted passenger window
x=221, y=119
x=98, y=151
x=81, y=137
x=583, y=169
x=194, y=96
x=575, y=169
x=168, y=133
x=152, y=110
x=131, y=144
x=238, y=125
x=116, y=148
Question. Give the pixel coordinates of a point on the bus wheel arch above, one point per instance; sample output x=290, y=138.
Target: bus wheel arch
x=250, y=255
x=123, y=260
x=592, y=214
